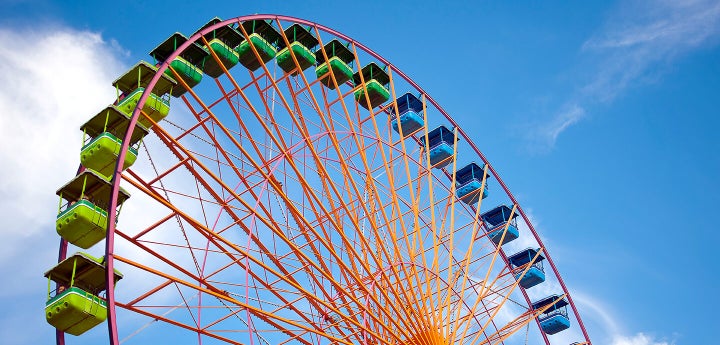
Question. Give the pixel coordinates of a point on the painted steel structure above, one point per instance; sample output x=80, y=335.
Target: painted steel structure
x=369, y=310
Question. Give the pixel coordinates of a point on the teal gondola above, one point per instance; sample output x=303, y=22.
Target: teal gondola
x=469, y=183
x=520, y=261
x=498, y=221
x=440, y=142
x=555, y=319
x=409, y=115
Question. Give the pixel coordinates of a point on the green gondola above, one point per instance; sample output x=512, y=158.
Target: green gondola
x=375, y=80
x=188, y=65
x=76, y=306
x=100, y=154
x=301, y=41
x=133, y=83
x=227, y=56
x=338, y=61
x=191, y=74
x=220, y=43
x=102, y=141
x=83, y=222
x=154, y=109
x=264, y=37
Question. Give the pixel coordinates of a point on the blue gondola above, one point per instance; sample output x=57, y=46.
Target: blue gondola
x=410, y=110
x=468, y=182
x=495, y=221
x=554, y=319
x=535, y=274
x=440, y=144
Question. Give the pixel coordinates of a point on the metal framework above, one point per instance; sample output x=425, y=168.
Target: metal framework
x=276, y=210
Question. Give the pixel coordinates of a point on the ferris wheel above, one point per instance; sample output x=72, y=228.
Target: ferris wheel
x=268, y=180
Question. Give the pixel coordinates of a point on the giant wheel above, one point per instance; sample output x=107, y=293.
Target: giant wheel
x=306, y=191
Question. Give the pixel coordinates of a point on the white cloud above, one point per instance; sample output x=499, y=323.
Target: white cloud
x=53, y=80
x=635, y=46
x=546, y=134
x=680, y=23
x=656, y=33
x=612, y=332
x=597, y=311
x=639, y=339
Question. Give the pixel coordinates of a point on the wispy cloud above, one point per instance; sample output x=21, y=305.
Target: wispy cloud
x=635, y=45
x=639, y=339
x=595, y=311
x=545, y=135
x=631, y=46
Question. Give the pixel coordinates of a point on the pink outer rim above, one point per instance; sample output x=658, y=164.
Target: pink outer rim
x=109, y=243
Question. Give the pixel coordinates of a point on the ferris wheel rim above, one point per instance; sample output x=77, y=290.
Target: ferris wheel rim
x=109, y=246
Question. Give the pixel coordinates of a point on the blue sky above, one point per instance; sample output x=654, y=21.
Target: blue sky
x=601, y=117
